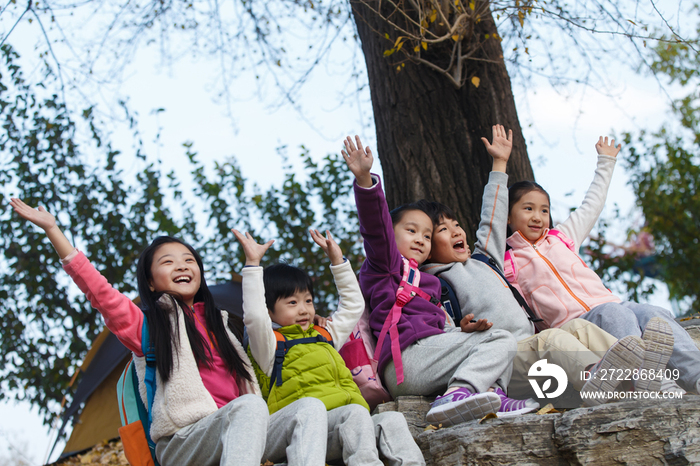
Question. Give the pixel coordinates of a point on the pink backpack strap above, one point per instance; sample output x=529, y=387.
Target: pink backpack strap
x=510, y=269
x=563, y=238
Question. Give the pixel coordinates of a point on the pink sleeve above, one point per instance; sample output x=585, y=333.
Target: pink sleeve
x=122, y=317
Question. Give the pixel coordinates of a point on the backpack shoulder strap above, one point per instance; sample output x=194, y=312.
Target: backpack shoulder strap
x=449, y=300
x=283, y=345
x=563, y=238
x=149, y=353
x=516, y=294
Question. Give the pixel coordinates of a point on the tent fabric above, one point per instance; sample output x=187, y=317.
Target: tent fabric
x=99, y=419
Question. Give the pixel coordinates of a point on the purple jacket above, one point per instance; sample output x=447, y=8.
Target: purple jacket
x=381, y=274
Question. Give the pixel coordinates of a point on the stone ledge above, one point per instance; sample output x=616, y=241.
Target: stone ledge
x=634, y=432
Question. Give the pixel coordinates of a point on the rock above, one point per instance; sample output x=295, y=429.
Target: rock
x=633, y=432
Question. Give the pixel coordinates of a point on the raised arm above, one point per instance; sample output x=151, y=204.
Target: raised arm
x=121, y=315
x=583, y=219
x=372, y=211
x=255, y=315
x=491, y=235
x=47, y=222
x=351, y=304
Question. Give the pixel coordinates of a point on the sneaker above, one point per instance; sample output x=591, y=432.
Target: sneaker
x=627, y=354
x=670, y=386
x=510, y=407
x=658, y=338
x=462, y=405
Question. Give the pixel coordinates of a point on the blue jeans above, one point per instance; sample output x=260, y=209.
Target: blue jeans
x=628, y=318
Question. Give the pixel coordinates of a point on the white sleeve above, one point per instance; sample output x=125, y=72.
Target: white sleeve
x=583, y=219
x=261, y=337
x=351, y=304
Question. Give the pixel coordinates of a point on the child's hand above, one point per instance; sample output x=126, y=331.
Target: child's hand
x=40, y=217
x=322, y=321
x=253, y=251
x=329, y=246
x=604, y=148
x=359, y=161
x=478, y=326
x=501, y=147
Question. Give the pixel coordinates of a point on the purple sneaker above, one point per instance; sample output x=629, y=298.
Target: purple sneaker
x=511, y=407
x=462, y=405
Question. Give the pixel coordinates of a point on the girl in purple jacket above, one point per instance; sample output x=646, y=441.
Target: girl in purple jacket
x=470, y=365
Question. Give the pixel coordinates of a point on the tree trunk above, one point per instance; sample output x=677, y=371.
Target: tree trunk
x=428, y=131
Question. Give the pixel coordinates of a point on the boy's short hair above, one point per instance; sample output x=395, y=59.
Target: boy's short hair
x=435, y=210
x=283, y=280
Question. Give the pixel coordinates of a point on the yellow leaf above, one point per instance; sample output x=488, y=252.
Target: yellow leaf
x=547, y=409
x=472, y=5
x=389, y=52
x=398, y=40
x=399, y=46
x=455, y=37
x=456, y=2
x=398, y=68
x=387, y=35
x=476, y=81
x=486, y=36
x=632, y=22
x=430, y=427
x=425, y=45
x=416, y=48
x=424, y=23
x=488, y=416
x=433, y=16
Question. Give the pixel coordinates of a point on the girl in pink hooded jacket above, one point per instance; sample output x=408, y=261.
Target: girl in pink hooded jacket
x=544, y=265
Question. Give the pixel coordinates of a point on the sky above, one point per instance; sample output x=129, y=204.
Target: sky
x=560, y=129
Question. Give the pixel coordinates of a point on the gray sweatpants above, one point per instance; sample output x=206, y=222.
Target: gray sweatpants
x=233, y=435
x=360, y=439
x=628, y=318
x=236, y=434
x=477, y=360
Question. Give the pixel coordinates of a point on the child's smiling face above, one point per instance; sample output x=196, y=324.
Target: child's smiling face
x=175, y=269
x=413, y=233
x=449, y=243
x=530, y=215
x=297, y=309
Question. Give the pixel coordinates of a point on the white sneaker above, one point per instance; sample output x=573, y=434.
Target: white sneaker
x=670, y=386
x=625, y=355
x=658, y=339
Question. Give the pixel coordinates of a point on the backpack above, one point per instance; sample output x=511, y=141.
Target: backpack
x=359, y=351
x=449, y=293
x=135, y=432
x=283, y=345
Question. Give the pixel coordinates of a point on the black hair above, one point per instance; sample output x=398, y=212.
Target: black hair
x=162, y=333
x=398, y=213
x=518, y=190
x=282, y=281
x=435, y=210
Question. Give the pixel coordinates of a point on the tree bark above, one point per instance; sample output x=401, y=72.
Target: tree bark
x=428, y=131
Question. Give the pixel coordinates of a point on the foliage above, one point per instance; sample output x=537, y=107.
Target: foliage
x=664, y=169
x=45, y=326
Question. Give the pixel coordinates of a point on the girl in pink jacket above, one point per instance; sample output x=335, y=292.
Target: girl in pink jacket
x=544, y=265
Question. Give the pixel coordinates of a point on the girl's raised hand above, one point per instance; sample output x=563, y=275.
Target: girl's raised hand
x=40, y=217
x=603, y=148
x=329, y=246
x=359, y=161
x=47, y=222
x=254, y=252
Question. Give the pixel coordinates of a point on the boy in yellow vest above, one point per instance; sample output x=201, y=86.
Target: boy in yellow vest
x=295, y=359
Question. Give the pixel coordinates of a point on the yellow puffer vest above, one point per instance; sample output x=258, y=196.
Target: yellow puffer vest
x=310, y=370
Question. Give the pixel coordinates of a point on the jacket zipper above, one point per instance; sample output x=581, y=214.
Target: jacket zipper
x=561, y=280
x=336, y=375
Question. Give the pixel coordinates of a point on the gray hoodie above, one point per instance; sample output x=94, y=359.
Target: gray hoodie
x=479, y=289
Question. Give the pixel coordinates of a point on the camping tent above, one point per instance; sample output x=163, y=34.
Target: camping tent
x=94, y=410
